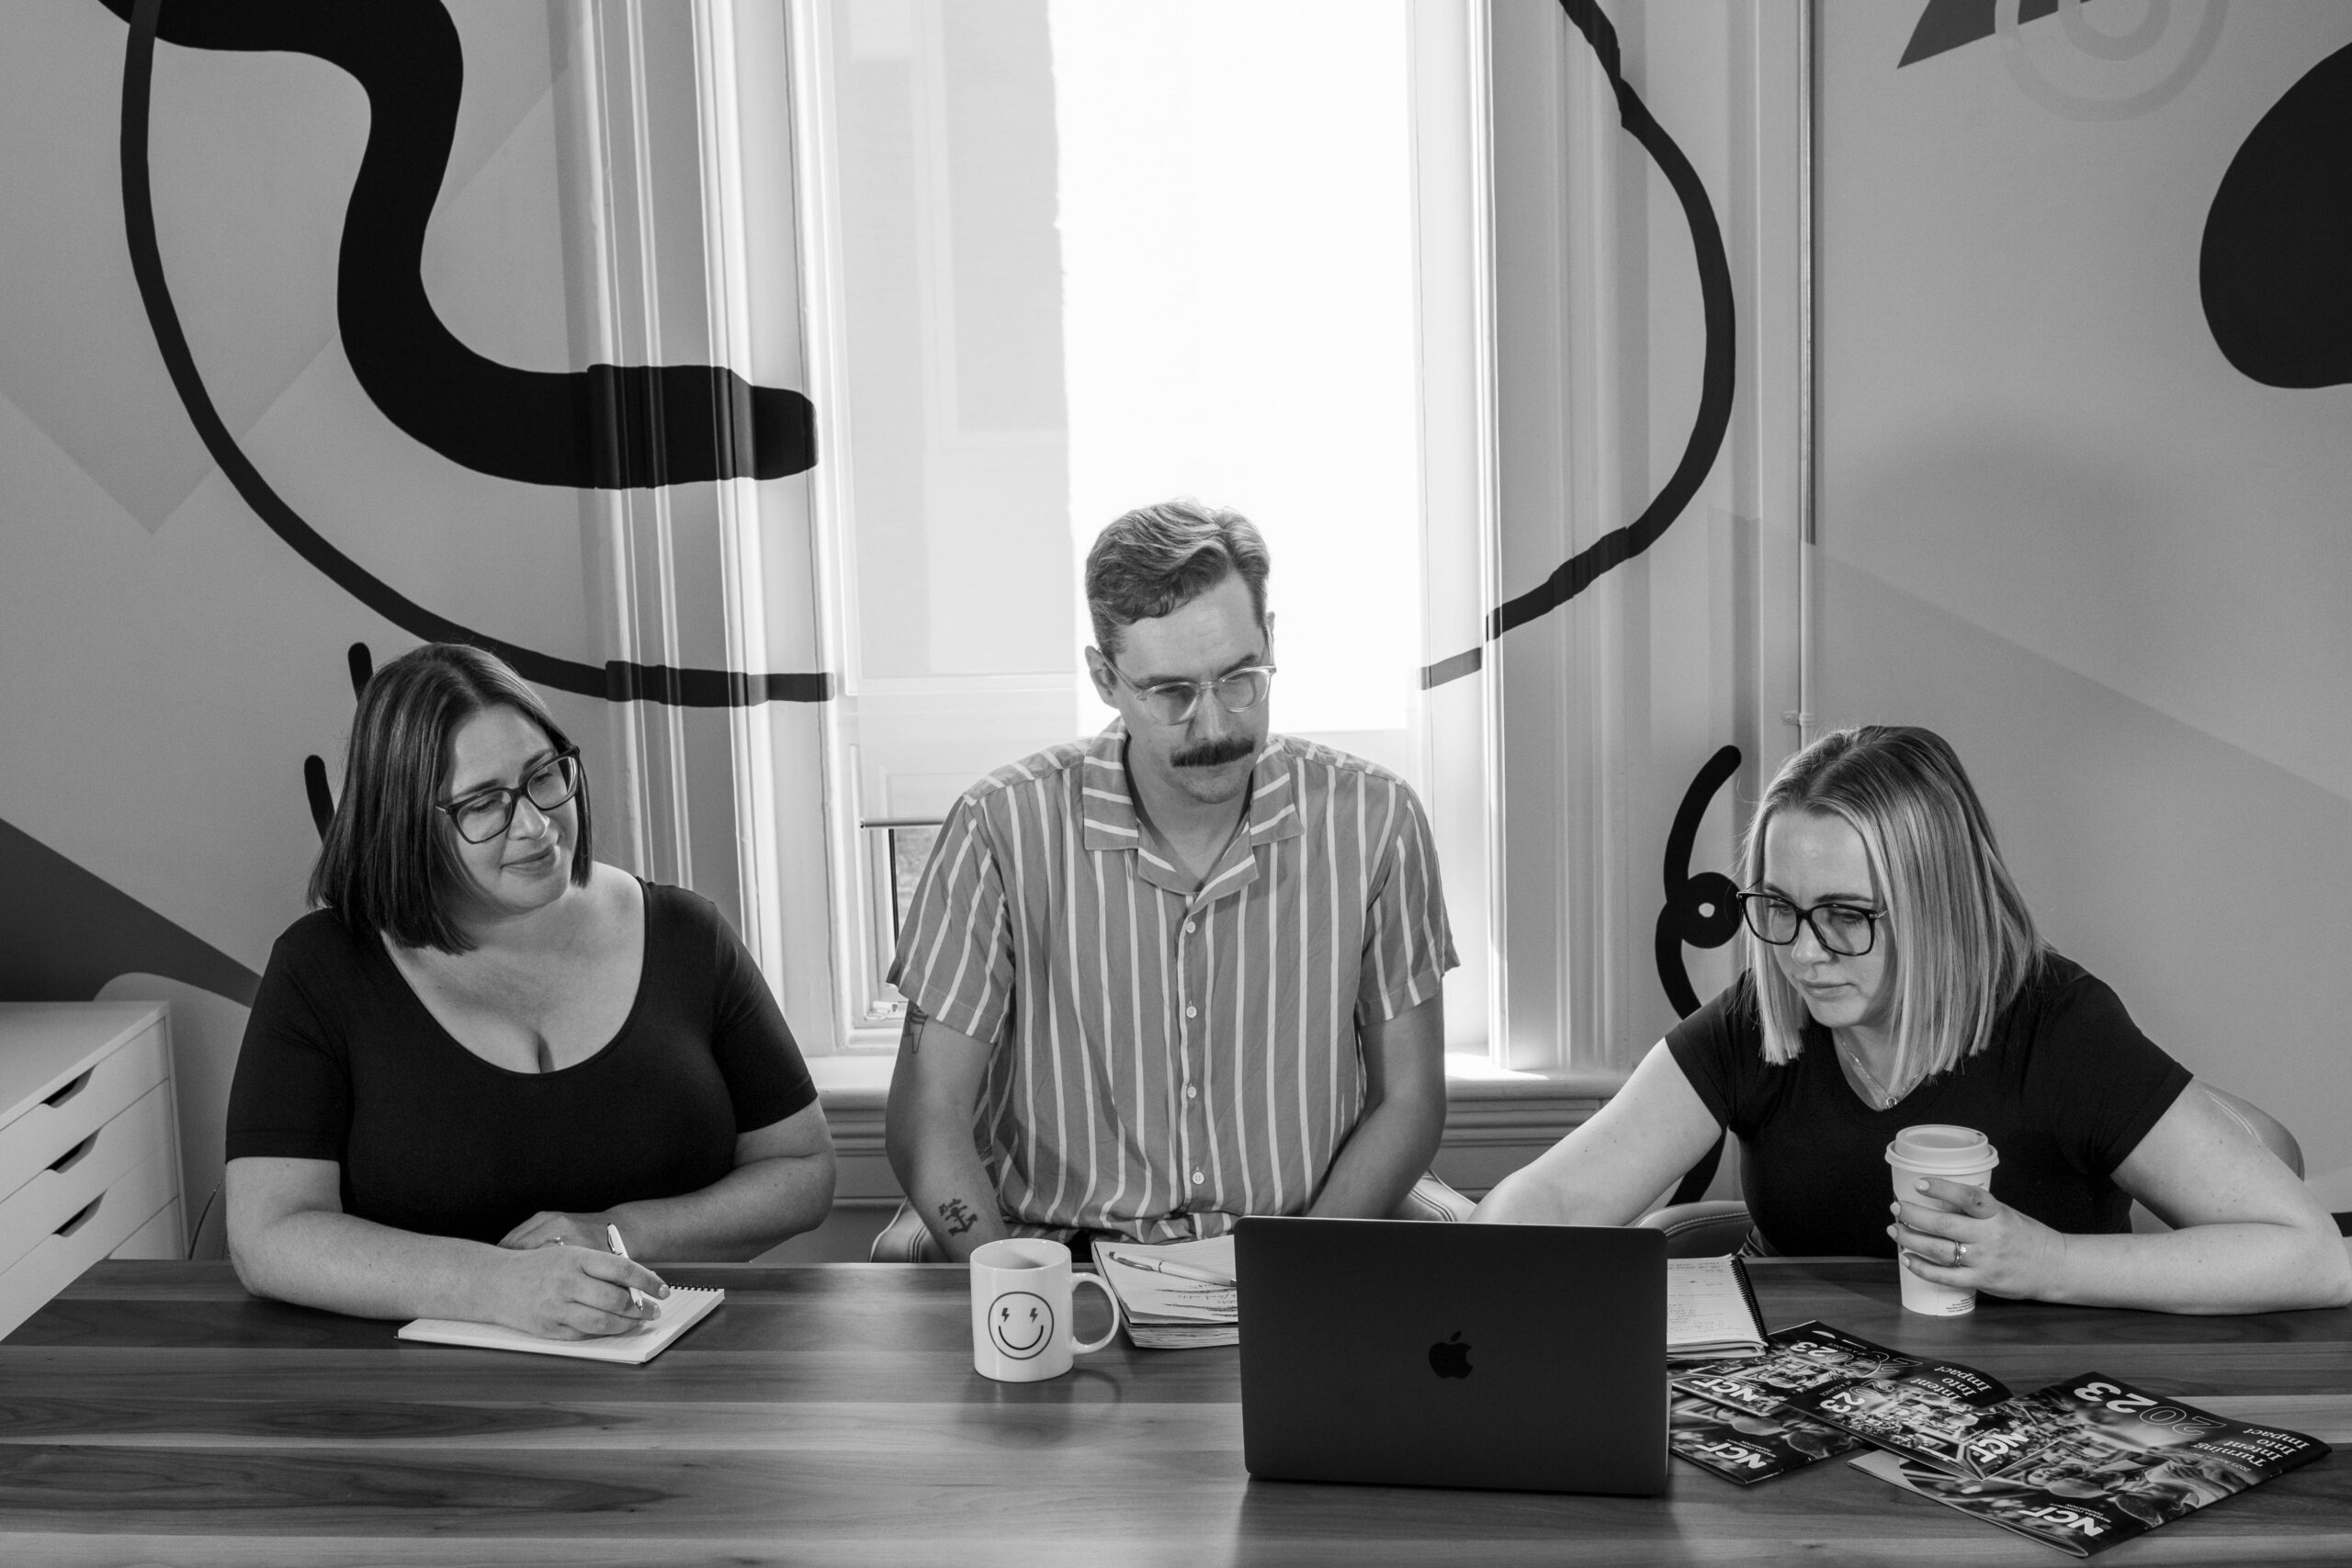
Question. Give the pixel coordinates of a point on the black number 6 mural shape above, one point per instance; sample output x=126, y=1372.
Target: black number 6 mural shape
x=606, y=427
x=1703, y=911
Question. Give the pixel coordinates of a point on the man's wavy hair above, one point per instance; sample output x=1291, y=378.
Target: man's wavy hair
x=390, y=860
x=1158, y=559
x=1962, y=942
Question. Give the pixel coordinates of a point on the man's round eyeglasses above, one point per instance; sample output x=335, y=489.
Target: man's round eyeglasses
x=487, y=813
x=1172, y=701
x=1845, y=930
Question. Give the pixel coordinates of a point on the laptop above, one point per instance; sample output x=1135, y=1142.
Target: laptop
x=1523, y=1357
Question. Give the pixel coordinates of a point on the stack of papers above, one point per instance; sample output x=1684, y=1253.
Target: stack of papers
x=1175, y=1296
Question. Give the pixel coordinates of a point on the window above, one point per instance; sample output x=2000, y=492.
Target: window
x=1046, y=307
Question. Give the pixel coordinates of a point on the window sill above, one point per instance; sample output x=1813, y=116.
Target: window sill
x=1496, y=1120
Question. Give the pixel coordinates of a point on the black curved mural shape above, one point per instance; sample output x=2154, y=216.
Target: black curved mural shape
x=615, y=681
x=1717, y=375
x=2275, y=270
x=608, y=427
x=314, y=767
x=1703, y=911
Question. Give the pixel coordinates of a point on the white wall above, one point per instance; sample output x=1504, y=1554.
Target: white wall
x=2058, y=526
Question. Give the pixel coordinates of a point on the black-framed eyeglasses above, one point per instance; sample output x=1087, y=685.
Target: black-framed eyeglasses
x=487, y=813
x=1847, y=930
x=1172, y=701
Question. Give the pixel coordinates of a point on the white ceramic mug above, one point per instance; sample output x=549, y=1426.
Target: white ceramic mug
x=1021, y=1309
x=1950, y=1154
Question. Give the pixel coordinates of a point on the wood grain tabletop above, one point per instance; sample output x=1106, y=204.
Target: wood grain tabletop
x=156, y=1414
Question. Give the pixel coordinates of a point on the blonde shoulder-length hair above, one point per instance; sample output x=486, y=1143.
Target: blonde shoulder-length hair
x=1960, y=940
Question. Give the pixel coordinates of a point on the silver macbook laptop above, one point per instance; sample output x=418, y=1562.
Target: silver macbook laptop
x=1526, y=1357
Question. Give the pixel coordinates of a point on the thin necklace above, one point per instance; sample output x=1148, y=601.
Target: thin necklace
x=1886, y=1096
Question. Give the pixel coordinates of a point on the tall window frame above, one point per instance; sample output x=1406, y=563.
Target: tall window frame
x=1453, y=727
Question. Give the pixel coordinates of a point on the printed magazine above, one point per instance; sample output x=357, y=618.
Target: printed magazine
x=2079, y=1465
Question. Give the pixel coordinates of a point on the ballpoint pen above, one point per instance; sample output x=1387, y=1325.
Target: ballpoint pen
x=635, y=1296
x=1181, y=1271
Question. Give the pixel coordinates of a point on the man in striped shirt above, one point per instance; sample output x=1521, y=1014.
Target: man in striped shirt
x=1180, y=972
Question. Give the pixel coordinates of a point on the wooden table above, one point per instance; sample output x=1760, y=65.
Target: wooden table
x=154, y=1413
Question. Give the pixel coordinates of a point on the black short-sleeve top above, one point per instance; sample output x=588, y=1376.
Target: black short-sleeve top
x=341, y=1062
x=2066, y=1089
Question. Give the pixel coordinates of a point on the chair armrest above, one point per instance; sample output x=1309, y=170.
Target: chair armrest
x=1711, y=1229
x=1432, y=1199
x=905, y=1239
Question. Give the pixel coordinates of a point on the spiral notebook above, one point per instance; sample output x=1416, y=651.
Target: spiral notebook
x=681, y=1310
x=1711, y=1312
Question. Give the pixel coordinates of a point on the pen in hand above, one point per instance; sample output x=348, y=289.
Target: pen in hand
x=635, y=1296
x=1181, y=1271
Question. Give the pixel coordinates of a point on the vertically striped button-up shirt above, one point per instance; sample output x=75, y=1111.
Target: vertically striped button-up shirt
x=1167, y=1059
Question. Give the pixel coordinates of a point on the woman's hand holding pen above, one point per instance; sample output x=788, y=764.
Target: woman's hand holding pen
x=549, y=1227
x=570, y=1292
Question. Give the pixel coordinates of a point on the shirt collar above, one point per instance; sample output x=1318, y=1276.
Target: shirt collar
x=1106, y=802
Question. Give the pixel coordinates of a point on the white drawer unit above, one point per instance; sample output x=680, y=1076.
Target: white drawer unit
x=89, y=1144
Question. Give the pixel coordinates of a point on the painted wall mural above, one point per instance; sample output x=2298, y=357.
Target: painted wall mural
x=1719, y=377
x=606, y=427
x=2277, y=245
x=315, y=787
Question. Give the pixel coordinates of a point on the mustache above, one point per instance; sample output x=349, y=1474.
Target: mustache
x=1214, y=753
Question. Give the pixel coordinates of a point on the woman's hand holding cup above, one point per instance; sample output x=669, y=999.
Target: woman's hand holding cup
x=1958, y=1235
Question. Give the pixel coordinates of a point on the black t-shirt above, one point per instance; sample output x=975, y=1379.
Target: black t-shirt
x=341, y=1062
x=2066, y=1088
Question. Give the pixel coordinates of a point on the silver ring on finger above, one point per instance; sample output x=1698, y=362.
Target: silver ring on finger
x=1958, y=1251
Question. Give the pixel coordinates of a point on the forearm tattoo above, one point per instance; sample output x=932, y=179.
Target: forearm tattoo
x=957, y=1217
x=910, y=1036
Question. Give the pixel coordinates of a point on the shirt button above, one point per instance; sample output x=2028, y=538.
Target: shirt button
x=1191, y=1012
x=1192, y=1093
x=1188, y=928
x=1198, y=1178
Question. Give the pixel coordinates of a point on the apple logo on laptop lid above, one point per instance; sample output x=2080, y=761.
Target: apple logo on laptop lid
x=1449, y=1358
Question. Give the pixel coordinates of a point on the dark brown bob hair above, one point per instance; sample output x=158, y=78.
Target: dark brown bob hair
x=389, y=863
x=1156, y=559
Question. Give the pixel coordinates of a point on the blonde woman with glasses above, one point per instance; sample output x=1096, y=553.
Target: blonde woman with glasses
x=1894, y=977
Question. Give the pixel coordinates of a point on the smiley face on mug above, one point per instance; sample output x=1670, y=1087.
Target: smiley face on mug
x=1021, y=1324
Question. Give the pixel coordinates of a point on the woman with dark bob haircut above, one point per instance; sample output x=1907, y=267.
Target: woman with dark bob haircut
x=485, y=1047
x=1895, y=978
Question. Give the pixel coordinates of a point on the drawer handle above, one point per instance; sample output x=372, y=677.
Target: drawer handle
x=70, y=1090
x=83, y=1218
x=73, y=1156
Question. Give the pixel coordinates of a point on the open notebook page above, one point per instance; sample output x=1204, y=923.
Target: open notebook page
x=681, y=1310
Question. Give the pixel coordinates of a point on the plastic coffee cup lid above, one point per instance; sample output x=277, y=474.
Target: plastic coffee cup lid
x=1937, y=1147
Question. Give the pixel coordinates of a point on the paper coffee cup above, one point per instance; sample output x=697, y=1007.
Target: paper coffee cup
x=1949, y=1154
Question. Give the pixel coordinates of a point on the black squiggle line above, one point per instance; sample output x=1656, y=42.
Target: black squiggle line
x=616, y=680
x=1716, y=377
x=608, y=427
